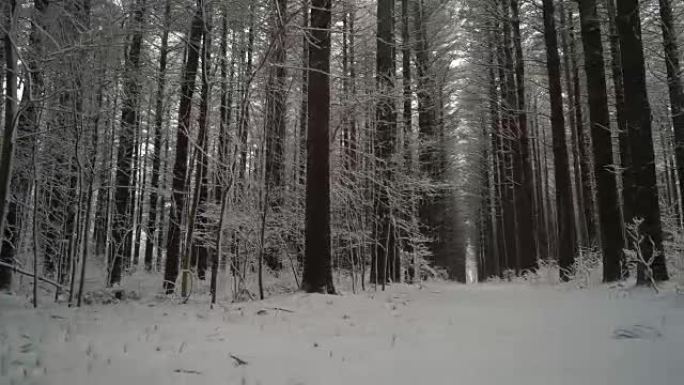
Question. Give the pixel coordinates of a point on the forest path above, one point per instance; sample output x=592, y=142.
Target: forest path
x=440, y=334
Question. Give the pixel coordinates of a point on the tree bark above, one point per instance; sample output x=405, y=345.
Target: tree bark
x=276, y=95
x=638, y=116
x=406, y=82
x=244, y=119
x=27, y=124
x=583, y=141
x=674, y=83
x=197, y=220
x=153, y=238
x=525, y=193
x=567, y=246
x=385, y=141
x=610, y=224
x=123, y=196
x=627, y=179
x=493, y=266
x=276, y=117
x=303, y=106
x=574, y=116
x=179, y=187
x=509, y=130
x=8, y=14
x=317, y=260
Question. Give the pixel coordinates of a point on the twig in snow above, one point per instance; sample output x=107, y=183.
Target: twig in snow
x=238, y=361
x=187, y=371
x=281, y=309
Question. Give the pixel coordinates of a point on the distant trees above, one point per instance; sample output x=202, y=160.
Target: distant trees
x=438, y=209
x=615, y=165
x=319, y=141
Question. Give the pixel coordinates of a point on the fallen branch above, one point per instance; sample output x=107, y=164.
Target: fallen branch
x=282, y=309
x=187, y=371
x=30, y=274
x=238, y=361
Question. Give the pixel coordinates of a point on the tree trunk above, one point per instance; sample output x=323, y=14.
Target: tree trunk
x=317, y=261
x=673, y=179
x=566, y=226
x=276, y=95
x=495, y=127
x=674, y=83
x=303, y=107
x=567, y=34
x=200, y=251
x=245, y=105
x=179, y=187
x=163, y=214
x=223, y=173
x=406, y=83
x=583, y=142
x=28, y=119
x=385, y=142
x=130, y=110
x=627, y=178
x=276, y=99
x=638, y=116
x=541, y=184
x=407, y=120
x=509, y=131
x=142, y=177
x=610, y=224
x=8, y=14
x=525, y=193
x=153, y=238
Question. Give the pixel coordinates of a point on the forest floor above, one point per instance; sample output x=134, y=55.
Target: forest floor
x=439, y=333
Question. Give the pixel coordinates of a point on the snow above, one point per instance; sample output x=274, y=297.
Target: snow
x=439, y=334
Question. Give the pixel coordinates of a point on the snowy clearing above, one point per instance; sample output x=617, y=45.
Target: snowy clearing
x=441, y=333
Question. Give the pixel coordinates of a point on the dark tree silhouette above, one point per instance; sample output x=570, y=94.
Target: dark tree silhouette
x=317, y=260
x=610, y=223
x=525, y=192
x=638, y=118
x=674, y=83
x=619, y=94
x=8, y=15
x=385, y=139
x=566, y=217
x=179, y=185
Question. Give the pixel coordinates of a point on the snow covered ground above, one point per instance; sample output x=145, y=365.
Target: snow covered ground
x=438, y=334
